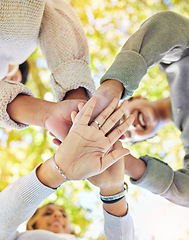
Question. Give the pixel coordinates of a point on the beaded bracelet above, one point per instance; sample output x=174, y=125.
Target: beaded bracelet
x=115, y=198
x=57, y=167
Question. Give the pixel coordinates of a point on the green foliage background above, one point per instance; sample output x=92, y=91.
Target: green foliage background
x=108, y=24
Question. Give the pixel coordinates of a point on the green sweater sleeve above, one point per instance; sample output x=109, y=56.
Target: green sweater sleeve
x=161, y=38
x=160, y=179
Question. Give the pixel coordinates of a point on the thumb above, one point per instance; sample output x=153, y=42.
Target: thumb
x=113, y=157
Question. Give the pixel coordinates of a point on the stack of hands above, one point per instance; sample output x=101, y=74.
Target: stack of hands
x=91, y=150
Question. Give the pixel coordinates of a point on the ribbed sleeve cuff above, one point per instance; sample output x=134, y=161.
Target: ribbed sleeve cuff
x=129, y=67
x=9, y=90
x=158, y=176
x=72, y=75
x=119, y=228
x=32, y=191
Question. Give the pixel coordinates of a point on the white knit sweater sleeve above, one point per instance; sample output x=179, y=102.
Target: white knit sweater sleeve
x=8, y=92
x=63, y=43
x=119, y=228
x=19, y=201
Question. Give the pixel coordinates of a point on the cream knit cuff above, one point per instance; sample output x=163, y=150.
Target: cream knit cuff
x=72, y=75
x=9, y=90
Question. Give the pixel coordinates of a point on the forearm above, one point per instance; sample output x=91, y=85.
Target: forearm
x=134, y=167
x=160, y=179
x=118, y=208
x=79, y=93
x=9, y=90
x=48, y=175
x=29, y=110
x=22, y=197
x=163, y=36
x=118, y=223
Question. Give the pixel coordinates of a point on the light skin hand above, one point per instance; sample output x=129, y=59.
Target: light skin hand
x=85, y=150
x=50, y=115
x=111, y=182
x=105, y=94
x=107, y=91
x=112, y=179
x=91, y=144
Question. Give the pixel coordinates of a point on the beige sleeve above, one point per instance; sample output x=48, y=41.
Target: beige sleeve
x=20, y=23
x=8, y=92
x=63, y=43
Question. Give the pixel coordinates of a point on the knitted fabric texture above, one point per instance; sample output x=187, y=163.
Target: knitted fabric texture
x=56, y=28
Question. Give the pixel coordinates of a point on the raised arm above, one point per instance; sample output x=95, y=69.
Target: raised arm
x=159, y=178
x=19, y=201
x=64, y=45
x=118, y=222
x=161, y=38
x=83, y=153
x=65, y=48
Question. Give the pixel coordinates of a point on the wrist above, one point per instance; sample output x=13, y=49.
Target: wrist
x=29, y=110
x=115, y=204
x=79, y=93
x=112, y=190
x=114, y=198
x=111, y=88
x=134, y=167
x=58, y=168
x=48, y=175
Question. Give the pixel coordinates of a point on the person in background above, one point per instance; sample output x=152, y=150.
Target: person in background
x=85, y=153
x=51, y=217
x=162, y=39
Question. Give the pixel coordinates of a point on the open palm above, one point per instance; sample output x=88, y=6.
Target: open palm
x=112, y=177
x=85, y=150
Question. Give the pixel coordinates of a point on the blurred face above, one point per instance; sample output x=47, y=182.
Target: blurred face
x=14, y=74
x=53, y=218
x=147, y=120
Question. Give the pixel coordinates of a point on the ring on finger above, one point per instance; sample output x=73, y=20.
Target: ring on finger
x=99, y=126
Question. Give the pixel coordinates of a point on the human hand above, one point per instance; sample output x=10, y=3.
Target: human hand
x=84, y=152
x=111, y=181
x=104, y=94
x=107, y=91
x=58, y=120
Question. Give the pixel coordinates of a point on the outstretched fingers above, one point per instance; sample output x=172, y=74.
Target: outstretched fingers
x=120, y=129
x=102, y=117
x=115, y=117
x=90, y=105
